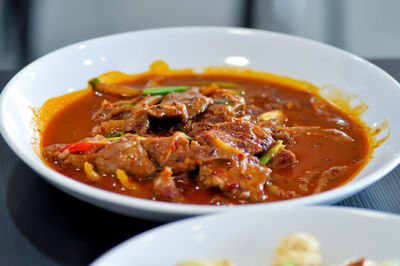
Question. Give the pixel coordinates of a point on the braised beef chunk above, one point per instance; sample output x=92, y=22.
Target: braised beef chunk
x=173, y=152
x=229, y=98
x=280, y=133
x=165, y=110
x=282, y=159
x=196, y=128
x=253, y=111
x=226, y=105
x=138, y=122
x=164, y=187
x=275, y=190
x=331, y=133
x=217, y=113
x=242, y=135
x=127, y=154
x=185, y=105
x=124, y=116
x=240, y=178
x=110, y=110
x=328, y=176
x=75, y=154
x=65, y=158
x=206, y=153
x=52, y=152
x=105, y=112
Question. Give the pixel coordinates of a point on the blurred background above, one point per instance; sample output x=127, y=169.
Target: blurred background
x=32, y=28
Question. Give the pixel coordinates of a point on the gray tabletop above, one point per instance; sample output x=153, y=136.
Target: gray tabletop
x=40, y=225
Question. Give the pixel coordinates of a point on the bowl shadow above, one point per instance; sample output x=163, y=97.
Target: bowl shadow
x=65, y=229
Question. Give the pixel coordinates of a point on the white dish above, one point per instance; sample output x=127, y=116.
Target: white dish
x=70, y=68
x=250, y=237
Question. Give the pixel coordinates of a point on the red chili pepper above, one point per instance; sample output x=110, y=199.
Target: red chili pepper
x=79, y=147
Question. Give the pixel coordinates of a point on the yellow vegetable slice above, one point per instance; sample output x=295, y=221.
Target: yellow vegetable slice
x=125, y=181
x=90, y=172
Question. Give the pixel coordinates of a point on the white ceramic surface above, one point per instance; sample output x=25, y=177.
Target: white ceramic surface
x=70, y=68
x=250, y=238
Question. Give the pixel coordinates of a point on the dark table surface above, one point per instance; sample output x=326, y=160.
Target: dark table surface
x=40, y=225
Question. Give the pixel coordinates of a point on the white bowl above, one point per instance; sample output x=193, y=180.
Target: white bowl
x=250, y=237
x=71, y=67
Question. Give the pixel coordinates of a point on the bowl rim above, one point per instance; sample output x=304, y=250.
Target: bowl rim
x=85, y=191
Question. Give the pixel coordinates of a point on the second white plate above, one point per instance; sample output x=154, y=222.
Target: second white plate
x=250, y=237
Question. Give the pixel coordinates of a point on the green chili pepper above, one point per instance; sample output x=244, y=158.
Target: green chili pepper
x=272, y=152
x=164, y=90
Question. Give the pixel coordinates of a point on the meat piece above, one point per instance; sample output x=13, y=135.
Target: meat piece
x=186, y=105
x=282, y=159
x=196, y=128
x=52, y=152
x=206, y=153
x=279, y=133
x=243, y=179
x=138, y=122
x=109, y=110
x=165, y=110
x=323, y=176
x=171, y=151
x=329, y=175
x=308, y=175
x=226, y=105
x=334, y=134
x=217, y=113
x=61, y=154
x=229, y=98
x=244, y=136
x=104, y=113
x=134, y=121
x=127, y=154
x=253, y=110
x=280, y=192
x=65, y=158
x=164, y=187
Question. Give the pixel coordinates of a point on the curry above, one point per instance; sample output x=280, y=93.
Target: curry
x=205, y=139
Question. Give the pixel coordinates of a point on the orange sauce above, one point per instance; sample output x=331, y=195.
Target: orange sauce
x=66, y=121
